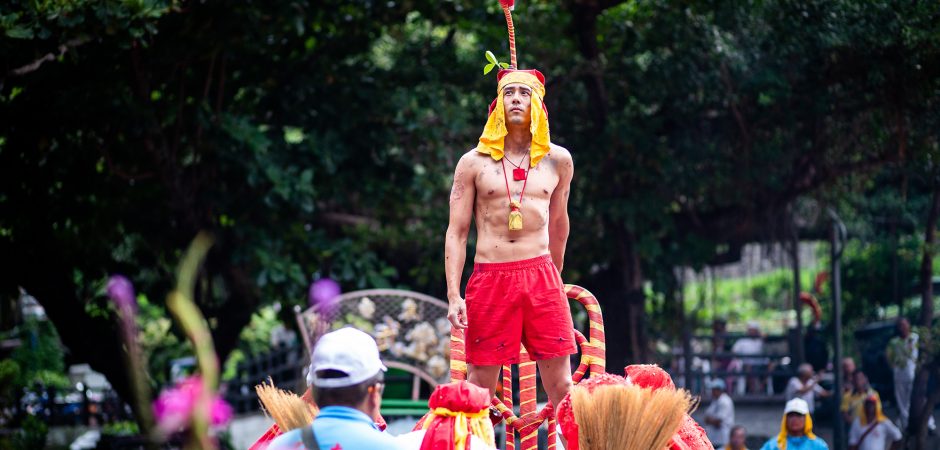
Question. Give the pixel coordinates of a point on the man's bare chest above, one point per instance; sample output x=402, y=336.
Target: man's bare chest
x=492, y=182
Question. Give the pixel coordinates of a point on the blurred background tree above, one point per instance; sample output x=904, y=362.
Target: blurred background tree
x=318, y=139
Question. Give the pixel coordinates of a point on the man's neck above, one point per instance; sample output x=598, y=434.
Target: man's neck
x=518, y=141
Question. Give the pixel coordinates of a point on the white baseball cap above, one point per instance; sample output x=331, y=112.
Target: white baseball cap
x=797, y=405
x=346, y=350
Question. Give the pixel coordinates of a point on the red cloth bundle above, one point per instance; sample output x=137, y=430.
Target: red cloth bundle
x=446, y=402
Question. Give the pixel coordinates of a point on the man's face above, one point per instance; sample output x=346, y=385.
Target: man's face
x=517, y=100
x=860, y=381
x=848, y=366
x=795, y=424
x=737, y=438
x=904, y=328
x=716, y=393
x=870, y=410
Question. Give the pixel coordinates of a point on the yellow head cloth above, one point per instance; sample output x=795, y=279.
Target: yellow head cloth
x=494, y=133
x=879, y=414
x=782, y=437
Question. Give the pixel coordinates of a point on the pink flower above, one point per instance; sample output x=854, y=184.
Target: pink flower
x=121, y=292
x=322, y=294
x=174, y=407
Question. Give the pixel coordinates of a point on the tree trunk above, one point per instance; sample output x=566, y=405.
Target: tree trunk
x=917, y=426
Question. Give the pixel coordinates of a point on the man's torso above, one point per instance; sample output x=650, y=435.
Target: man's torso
x=495, y=242
x=877, y=439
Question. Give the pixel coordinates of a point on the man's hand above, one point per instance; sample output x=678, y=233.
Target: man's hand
x=457, y=313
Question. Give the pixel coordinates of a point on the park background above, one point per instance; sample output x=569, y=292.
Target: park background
x=317, y=140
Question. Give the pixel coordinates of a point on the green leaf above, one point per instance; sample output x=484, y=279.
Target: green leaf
x=20, y=33
x=488, y=68
x=490, y=57
x=504, y=65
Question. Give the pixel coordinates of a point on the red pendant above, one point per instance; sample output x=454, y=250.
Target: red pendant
x=518, y=174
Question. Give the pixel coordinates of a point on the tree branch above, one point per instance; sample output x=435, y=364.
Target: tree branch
x=48, y=57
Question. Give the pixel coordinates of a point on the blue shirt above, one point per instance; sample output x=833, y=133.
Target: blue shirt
x=797, y=443
x=340, y=427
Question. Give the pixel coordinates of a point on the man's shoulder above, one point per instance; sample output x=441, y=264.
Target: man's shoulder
x=558, y=152
x=286, y=441
x=471, y=159
x=771, y=444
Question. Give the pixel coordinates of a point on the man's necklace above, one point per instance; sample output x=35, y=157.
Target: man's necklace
x=515, y=208
x=518, y=174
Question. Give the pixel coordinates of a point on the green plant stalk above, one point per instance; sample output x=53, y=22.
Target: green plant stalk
x=181, y=305
x=136, y=368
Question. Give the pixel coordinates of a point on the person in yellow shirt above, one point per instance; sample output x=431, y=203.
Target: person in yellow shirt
x=853, y=403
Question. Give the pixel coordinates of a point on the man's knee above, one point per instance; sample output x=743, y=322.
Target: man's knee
x=484, y=376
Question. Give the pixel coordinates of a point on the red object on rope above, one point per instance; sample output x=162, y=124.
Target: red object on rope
x=810, y=300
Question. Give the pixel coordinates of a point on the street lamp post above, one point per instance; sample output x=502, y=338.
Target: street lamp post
x=837, y=245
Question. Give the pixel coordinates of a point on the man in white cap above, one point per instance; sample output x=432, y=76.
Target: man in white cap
x=719, y=416
x=796, y=430
x=347, y=377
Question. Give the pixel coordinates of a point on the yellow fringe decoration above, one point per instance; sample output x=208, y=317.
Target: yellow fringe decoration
x=287, y=409
x=620, y=417
x=477, y=424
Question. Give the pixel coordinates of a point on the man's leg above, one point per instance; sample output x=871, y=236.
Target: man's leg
x=484, y=376
x=556, y=377
x=902, y=396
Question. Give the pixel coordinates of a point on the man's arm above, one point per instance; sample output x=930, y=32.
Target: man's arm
x=462, y=196
x=558, y=226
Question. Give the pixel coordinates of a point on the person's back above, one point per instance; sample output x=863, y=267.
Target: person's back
x=347, y=376
x=339, y=428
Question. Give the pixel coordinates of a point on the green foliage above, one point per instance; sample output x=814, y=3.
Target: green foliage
x=40, y=356
x=9, y=375
x=159, y=340
x=31, y=435
x=493, y=62
x=122, y=428
x=763, y=297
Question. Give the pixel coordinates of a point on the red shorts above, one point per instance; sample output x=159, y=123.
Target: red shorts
x=517, y=302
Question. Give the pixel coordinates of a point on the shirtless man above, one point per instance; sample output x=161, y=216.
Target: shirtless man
x=515, y=294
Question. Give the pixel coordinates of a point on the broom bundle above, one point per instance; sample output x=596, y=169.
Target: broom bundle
x=625, y=417
x=288, y=410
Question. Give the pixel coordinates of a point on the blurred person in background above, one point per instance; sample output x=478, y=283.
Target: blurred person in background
x=872, y=430
x=796, y=430
x=719, y=416
x=737, y=438
x=805, y=385
x=853, y=401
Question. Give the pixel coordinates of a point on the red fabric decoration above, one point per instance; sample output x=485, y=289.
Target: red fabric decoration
x=461, y=396
x=266, y=438
x=507, y=3
x=649, y=376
